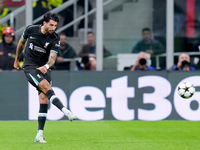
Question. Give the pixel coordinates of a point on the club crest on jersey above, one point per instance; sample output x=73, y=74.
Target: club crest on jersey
x=38, y=76
x=31, y=46
x=46, y=44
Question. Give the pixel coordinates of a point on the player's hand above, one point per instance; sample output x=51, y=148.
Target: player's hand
x=42, y=69
x=16, y=64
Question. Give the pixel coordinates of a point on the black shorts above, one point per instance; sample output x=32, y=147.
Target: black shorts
x=35, y=76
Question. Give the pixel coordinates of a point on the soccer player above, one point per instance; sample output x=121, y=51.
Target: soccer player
x=40, y=52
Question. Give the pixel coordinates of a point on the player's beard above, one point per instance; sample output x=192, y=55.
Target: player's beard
x=49, y=31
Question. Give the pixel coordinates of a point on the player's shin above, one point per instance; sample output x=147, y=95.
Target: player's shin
x=55, y=100
x=41, y=122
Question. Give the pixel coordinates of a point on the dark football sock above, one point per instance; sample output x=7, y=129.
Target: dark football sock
x=54, y=99
x=42, y=116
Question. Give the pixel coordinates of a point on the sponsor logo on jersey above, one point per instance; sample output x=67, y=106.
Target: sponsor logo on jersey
x=39, y=49
x=46, y=44
x=36, y=48
x=57, y=44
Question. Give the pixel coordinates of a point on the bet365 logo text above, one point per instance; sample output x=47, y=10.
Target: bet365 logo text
x=122, y=97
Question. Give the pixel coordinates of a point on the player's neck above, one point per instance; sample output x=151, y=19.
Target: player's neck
x=43, y=30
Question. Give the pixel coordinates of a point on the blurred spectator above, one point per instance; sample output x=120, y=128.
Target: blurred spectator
x=3, y=12
x=7, y=49
x=55, y=3
x=183, y=63
x=40, y=7
x=141, y=63
x=90, y=48
x=149, y=45
x=66, y=51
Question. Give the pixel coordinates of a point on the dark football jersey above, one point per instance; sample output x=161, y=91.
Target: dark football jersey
x=38, y=46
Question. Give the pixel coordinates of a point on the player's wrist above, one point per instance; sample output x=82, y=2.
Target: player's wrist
x=47, y=66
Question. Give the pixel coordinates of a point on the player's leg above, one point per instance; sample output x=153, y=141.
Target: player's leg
x=42, y=117
x=42, y=83
x=45, y=87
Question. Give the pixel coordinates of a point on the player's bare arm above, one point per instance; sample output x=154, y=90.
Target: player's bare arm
x=49, y=64
x=19, y=50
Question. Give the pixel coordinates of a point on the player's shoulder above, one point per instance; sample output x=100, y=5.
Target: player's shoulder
x=33, y=28
x=56, y=36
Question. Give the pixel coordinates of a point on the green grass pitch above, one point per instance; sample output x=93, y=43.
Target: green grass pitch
x=102, y=135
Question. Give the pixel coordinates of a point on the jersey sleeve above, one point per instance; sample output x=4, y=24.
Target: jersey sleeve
x=25, y=33
x=56, y=45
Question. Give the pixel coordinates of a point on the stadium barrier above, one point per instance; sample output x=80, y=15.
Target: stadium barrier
x=106, y=95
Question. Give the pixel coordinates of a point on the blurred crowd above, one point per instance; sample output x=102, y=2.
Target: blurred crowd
x=85, y=59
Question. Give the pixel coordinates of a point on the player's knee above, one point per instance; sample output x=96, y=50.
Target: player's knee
x=43, y=99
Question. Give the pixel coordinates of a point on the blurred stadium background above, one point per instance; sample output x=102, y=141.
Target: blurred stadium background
x=118, y=25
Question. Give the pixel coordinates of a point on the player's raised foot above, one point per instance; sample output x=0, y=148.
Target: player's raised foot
x=71, y=116
x=39, y=139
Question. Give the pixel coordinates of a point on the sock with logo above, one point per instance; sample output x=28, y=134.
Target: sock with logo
x=42, y=116
x=54, y=99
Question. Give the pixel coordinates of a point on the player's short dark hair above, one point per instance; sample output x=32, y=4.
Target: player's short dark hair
x=146, y=29
x=50, y=16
